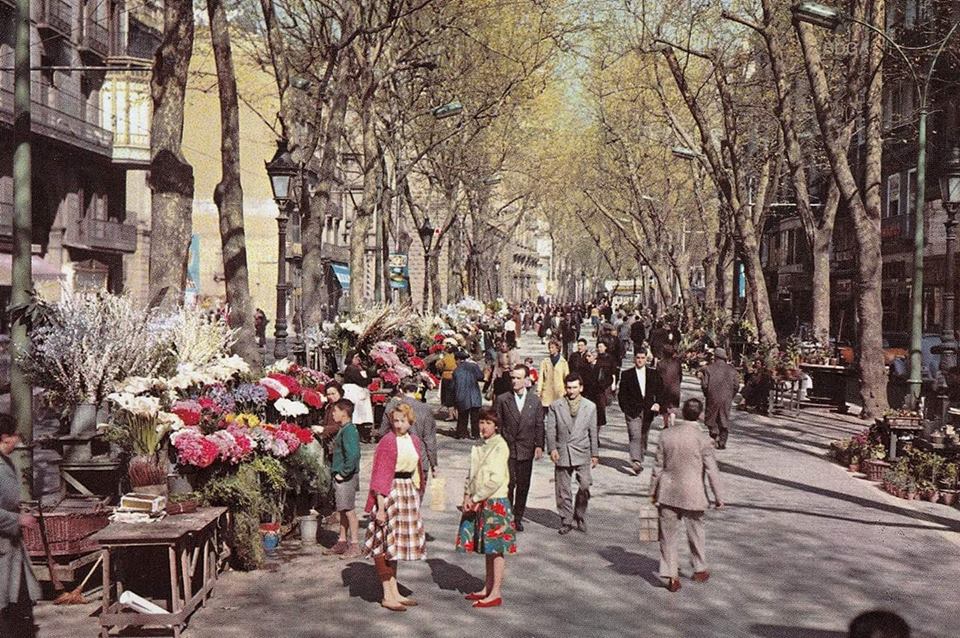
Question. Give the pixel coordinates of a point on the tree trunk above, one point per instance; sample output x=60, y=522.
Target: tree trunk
x=725, y=266
x=228, y=195
x=363, y=214
x=434, y=275
x=171, y=176
x=753, y=270
x=710, y=281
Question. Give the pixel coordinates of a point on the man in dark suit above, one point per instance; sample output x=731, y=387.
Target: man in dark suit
x=638, y=333
x=521, y=425
x=720, y=383
x=425, y=426
x=578, y=360
x=639, y=398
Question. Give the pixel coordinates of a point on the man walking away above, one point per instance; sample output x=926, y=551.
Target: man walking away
x=683, y=456
x=638, y=333
x=639, y=398
x=521, y=425
x=466, y=390
x=571, y=433
x=720, y=382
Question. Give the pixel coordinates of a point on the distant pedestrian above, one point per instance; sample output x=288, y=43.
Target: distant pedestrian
x=520, y=414
x=510, y=332
x=397, y=483
x=578, y=358
x=466, y=390
x=355, y=382
x=639, y=398
x=684, y=455
x=486, y=526
x=571, y=435
x=638, y=333
x=720, y=383
x=445, y=367
x=424, y=425
x=671, y=373
x=553, y=369
x=345, y=470
x=260, y=322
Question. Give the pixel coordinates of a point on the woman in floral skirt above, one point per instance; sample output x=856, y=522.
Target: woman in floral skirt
x=397, y=483
x=487, y=523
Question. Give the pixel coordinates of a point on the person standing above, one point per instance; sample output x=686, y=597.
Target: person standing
x=507, y=358
x=671, y=373
x=397, y=483
x=510, y=332
x=571, y=434
x=720, y=383
x=355, y=383
x=596, y=386
x=19, y=588
x=260, y=325
x=345, y=470
x=578, y=359
x=639, y=398
x=520, y=414
x=684, y=455
x=466, y=390
x=553, y=370
x=626, y=332
x=445, y=367
x=638, y=333
x=486, y=526
x=424, y=425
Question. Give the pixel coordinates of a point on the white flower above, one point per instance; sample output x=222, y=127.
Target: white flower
x=280, y=365
x=168, y=422
x=286, y=407
x=136, y=385
x=274, y=385
x=144, y=406
x=120, y=399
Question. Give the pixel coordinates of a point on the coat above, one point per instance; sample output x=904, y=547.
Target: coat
x=489, y=474
x=671, y=373
x=635, y=403
x=550, y=380
x=574, y=439
x=720, y=382
x=523, y=430
x=14, y=560
x=385, y=466
x=466, y=388
x=425, y=426
x=685, y=453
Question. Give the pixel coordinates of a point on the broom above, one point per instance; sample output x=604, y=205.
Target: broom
x=75, y=597
x=51, y=566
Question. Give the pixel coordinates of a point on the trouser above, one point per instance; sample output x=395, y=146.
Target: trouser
x=16, y=619
x=473, y=414
x=670, y=521
x=638, y=431
x=571, y=509
x=519, y=486
x=717, y=420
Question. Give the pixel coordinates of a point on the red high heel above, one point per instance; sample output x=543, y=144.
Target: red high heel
x=475, y=596
x=496, y=602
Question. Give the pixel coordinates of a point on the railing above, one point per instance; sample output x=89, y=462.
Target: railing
x=898, y=228
x=63, y=121
x=6, y=219
x=57, y=15
x=101, y=234
x=96, y=37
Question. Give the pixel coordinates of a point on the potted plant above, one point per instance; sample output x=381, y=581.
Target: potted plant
x=910, y=489
x=948, y=483
x=139, y=427
x=874, y=464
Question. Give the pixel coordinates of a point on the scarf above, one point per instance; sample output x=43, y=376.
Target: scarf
x=574, y=406
x=555, y=359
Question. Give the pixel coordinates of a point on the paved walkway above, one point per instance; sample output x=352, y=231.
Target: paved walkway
x=802, y=547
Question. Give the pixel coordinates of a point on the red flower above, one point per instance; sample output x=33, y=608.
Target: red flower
x=417, y=363
x=391, y=377
x=188, y=414
x=408, y=348
x=378, y=398
x=435, y=348
x=438, y=338
x=374, y=385
x=289, y=382
x=508, y=537
x=495, y=532
x=312, y=398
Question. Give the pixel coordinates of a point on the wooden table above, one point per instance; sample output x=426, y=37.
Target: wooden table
x=829, y=383
x=187, y=538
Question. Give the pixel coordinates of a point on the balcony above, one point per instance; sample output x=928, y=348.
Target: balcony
x=96, y=38
x=101, y=234
x=56, y=16
x=125, y=98
x=62, y=123
x=6, y=219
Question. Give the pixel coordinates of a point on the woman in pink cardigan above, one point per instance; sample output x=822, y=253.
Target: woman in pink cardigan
x=396, y=486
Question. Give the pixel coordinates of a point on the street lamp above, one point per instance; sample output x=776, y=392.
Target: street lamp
x=449, y=109
x=822, y=15
x=950, y=197
x=426, y=234
x=282, y=170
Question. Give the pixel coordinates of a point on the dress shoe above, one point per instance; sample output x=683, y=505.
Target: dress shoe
x=518, y=526
x=564, y=530
x=673, y=585
x=582, y=526
x=721, y=446
x=701, y=577
x=408, y=602
x=496, y=602
x=637, y=469
x=392, y=606
x=476, y=596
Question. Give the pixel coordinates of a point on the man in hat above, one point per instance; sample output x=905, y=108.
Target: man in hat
x=720, y=383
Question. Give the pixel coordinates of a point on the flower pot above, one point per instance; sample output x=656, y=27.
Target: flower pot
x=932, y=496
x=308, y=529
x=875, y=469
x=270, y=536
x=853, y=467
x=948, y=497
x=911, y=495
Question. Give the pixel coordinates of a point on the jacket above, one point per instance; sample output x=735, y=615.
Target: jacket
x=346, y=451
x=446, y=365
x=425, y=426
x=489, y=473
x=550, y=382
x=385, y=466
x=671, y=374
x=523, y=430
x=574, y=438
x=14, y=560
x=684, y=455
x=720, y=382
x=466, y=388
x=633, y=402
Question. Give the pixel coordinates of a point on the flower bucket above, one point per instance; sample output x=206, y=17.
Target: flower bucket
x=308, y=529
x=84, y=421
x=270, y=535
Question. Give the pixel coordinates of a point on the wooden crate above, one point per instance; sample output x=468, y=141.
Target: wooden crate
x=649, y=523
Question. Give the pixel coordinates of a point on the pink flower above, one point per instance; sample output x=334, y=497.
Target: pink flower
x=390, y=377
x=194, y=449
x=417, y=363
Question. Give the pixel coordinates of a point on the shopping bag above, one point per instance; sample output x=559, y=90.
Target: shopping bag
x=438, y=493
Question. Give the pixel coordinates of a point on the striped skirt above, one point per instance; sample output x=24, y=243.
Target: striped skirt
x=402, y=536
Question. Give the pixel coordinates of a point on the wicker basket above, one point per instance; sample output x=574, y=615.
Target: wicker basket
x=67, y=533
x=874, y=469
x=649, y=524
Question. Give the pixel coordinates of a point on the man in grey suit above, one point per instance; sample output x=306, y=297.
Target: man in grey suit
x=684, y=455
x=521, y=425
x=720, y=382
x=571, y=432
x=425, y=426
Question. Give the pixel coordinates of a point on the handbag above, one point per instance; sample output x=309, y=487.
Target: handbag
x=438, y=494
x=649, y=521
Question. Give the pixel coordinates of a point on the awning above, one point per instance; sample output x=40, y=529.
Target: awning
x=42, y=269
x=342, y=273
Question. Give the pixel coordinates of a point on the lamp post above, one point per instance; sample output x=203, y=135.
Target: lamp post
x=950, y=196
x=282, y=170
x=828, y=17
x=426, y=238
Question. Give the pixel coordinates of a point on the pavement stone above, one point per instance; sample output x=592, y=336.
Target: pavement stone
x=802, y=547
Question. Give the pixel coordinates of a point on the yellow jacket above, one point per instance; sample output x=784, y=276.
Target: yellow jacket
x=550, y=383
x=489, y=470
x=446, y=366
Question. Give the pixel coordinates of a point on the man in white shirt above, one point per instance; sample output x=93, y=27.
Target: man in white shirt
x=639, y=398
x=521, y=425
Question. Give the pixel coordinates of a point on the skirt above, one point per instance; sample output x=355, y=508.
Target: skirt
x=402, y=536
x=447, y=397
x=490, y=530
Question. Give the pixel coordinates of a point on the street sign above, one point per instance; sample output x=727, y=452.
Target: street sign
x=398, y=260
x=399, y=273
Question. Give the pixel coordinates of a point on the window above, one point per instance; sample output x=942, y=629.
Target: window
x=912, y=192
x=893, y=195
